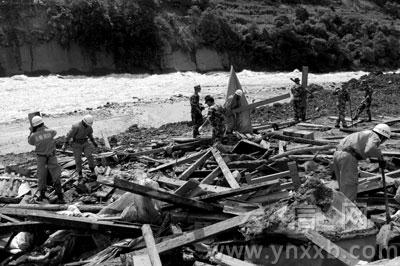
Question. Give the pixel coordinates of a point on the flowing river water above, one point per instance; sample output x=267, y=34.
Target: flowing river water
x=148, y=100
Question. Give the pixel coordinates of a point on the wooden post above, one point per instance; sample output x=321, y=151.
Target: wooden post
x=294, y=174
x=210, y=178
x=151, y=245
x=225, y=170
x=304, y=77
x=223, y=259
x=186, y=189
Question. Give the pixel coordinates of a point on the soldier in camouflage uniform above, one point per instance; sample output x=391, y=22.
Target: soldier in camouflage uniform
x=342, y=97
x=299, y=100
x=366, y=103
x=196, y=108
x=215, y=116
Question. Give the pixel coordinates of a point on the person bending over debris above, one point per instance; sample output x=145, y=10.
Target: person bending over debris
x=355, y=147
x=232, y=103
x=342, y=97
x=79, y=134
x=366, y=103
x=216, y=116
x=299, y=100
x=196, y=108
x=43, y=139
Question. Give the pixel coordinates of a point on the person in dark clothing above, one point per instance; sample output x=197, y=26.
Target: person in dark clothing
x=195, y=110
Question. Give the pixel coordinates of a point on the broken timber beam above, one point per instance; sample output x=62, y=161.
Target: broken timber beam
x=164, y=196
x=223, y=259
x=71, y=222
x=178, y=183
x=187, y=189
x=224, y=168
x=151, y=245
x=274, y=135
x=239, y=191
x=302, y=151
x=27, y=226
x=210, y=178
x=331, y=248
x=185, y=175
x=56, y=207
x=261, y=103
x=197, y=235
x=189, y=158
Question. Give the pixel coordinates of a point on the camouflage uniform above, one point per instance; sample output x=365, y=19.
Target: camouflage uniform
x=197, y=117
x=366, y=103
x=342, y=97
x=216, y=115
x=299, y=102
x=231, y=103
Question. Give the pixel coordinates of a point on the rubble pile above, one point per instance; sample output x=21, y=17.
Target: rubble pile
x=159, y=194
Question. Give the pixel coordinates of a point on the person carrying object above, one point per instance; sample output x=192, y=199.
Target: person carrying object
x=43, y=139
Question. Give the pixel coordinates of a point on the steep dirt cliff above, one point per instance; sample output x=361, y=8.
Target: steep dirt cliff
x=103, y=36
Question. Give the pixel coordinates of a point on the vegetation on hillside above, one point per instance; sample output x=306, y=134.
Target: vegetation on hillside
x=258, y=35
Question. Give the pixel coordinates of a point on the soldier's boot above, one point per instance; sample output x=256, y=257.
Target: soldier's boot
x=369, y=116
x=92, y=173
x=42, y=196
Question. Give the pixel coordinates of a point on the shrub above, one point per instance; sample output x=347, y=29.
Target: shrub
x=302, y=14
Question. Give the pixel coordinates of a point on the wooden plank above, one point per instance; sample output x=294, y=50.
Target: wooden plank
x=303, y=150
x=210, y=178
x=238, y=191
x=8, y=218
x=186, y=189
x=269, y=177
x=151, y=245
x=261, y=103
x=186, y=174
x=107, y=144
x=23, y=227
x=164, y=196
x=230, y=261
x=71, y=221
x=178, y=183
x=224, y=168
x=183, y=160
x=294, y=174
x=331, y=248
x=197, y=235
x=56, y=207
x=275, y=135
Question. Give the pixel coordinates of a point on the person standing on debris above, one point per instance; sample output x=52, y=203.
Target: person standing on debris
x=79, y=134
x=215, y=116
x=299, y=100
x=232, y=103
x=196, y=108
x=43, y=139
x=366, y=103
x=357, y=146
x=342, y=97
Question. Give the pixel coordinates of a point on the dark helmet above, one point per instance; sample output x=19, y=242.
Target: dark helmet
x=208, y=98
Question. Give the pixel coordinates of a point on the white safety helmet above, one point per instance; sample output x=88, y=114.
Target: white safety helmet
x=239, y=93
x=88, y=119
x=36, y=121
x=382, y=129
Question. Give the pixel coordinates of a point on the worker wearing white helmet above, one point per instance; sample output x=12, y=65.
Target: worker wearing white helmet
x=233, y=102
x=357, y=146
x=80, y=133
x=43, y=139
